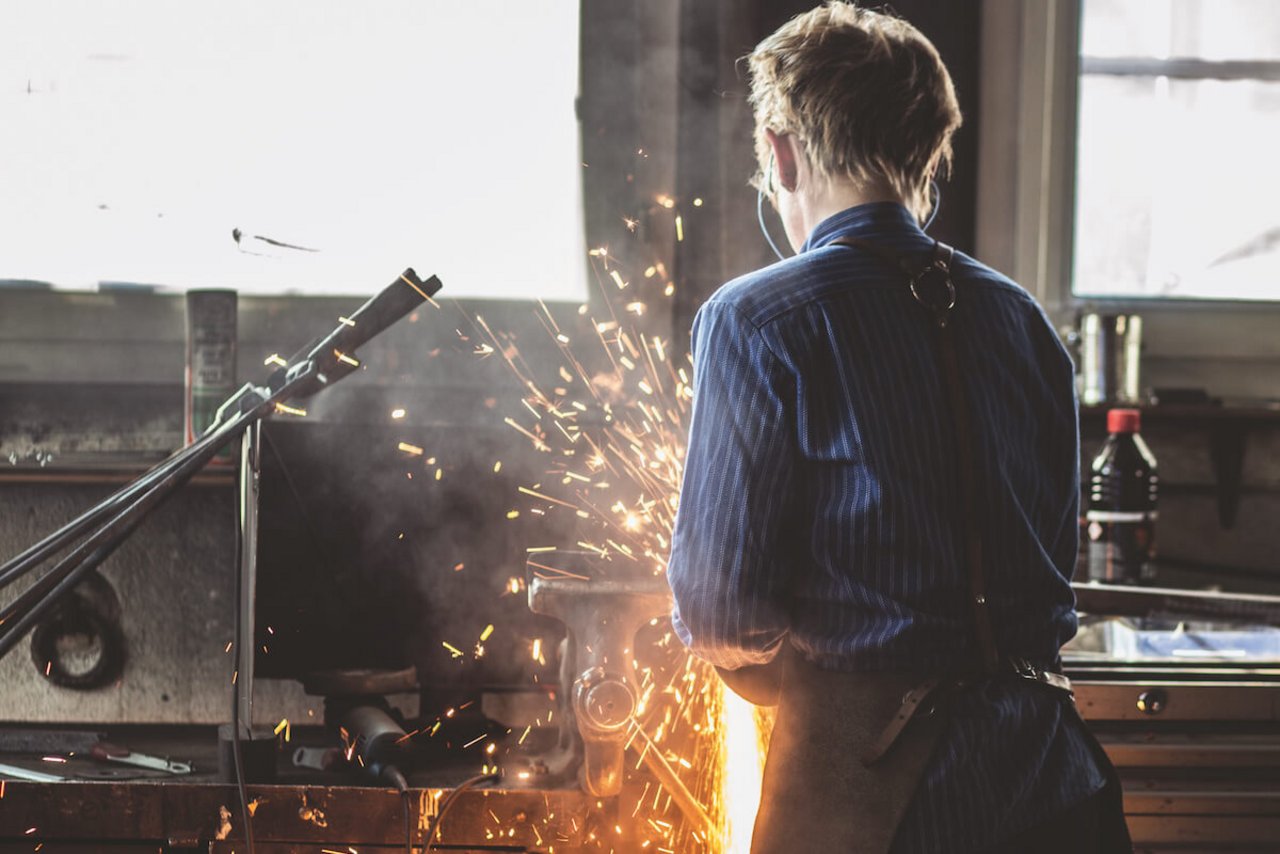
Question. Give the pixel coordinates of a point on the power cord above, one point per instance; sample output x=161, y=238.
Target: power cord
x=937, y=203
x=764, y=229
x=448, y=802
x=237, y=755
x=397, y=779
x=408, y=823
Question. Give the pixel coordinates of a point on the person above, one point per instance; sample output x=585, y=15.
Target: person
x=878, y=518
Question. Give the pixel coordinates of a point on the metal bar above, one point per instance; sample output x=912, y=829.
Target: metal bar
x=328, y=361
x=1181, y=68
x=22, y=614
x=1122, y=601
x=29, y=775
x=32, y=557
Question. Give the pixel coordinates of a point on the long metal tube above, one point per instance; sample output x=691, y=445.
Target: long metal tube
x=1123, y=601
x=32, y=557
x=304, y=377
x=22, y=563
x=22, y=614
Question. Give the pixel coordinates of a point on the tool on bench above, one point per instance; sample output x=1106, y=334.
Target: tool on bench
x=107, y=752
x=19, y=773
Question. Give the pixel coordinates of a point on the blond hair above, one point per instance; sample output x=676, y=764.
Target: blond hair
x=866, y=92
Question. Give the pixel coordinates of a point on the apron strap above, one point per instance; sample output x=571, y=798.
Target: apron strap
x=932, y=288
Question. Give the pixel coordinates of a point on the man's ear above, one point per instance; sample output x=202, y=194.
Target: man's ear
x=785, y=158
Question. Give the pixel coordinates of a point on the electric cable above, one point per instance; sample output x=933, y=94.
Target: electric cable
x=396, y=777
x=313, y=535
x=764, y=229
x=408, y=824
x=448, y=802
x=937, y=202
x=237, y=757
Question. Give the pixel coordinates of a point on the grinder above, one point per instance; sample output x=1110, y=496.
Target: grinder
x=597, y=670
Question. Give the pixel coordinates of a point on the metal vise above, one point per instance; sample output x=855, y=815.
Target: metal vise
x=597, y=668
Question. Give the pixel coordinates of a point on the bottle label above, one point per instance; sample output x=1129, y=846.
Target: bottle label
x=1120, y=551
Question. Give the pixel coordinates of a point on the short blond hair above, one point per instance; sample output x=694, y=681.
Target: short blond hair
x=866, y=92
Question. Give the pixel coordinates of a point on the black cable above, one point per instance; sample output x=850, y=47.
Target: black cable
x=408, y=824
x=397, y=778
x=238, y=761
x=313, y=536
x=237, y=755
x=448, y=802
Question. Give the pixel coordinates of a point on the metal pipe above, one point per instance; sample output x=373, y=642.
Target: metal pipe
x=32, y=557
x=1117, y=600
x=21, y=614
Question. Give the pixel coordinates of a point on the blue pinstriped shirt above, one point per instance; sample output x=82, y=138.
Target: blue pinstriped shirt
x=816, y=508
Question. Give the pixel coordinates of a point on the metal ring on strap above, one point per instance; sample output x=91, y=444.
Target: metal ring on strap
x=937, y=264
x=951, y=290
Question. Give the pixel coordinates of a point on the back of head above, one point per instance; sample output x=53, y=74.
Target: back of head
x=865, y=91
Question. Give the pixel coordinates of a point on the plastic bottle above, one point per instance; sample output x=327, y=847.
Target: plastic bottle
x=1121, y=516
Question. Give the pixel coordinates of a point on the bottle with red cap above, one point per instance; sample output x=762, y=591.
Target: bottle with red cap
x=1121, y=515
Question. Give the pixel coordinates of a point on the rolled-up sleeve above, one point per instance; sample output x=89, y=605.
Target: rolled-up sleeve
x=727, y=570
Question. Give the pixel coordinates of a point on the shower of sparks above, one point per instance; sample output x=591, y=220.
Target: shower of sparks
x=611, y=424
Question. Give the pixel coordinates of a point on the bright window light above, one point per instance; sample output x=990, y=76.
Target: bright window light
x=313, y=147
x=1176, y=184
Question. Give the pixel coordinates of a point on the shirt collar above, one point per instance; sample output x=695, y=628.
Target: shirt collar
x=869, y=218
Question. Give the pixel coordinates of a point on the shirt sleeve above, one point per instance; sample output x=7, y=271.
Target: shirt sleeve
x=726, y=570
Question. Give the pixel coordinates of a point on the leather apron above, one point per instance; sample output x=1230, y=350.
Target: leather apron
x=818, y=794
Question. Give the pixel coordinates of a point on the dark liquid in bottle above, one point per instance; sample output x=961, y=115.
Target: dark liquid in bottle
x=1121, y=516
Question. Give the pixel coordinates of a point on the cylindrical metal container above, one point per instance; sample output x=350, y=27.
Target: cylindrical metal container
x=211, y=360
x=1110, y=358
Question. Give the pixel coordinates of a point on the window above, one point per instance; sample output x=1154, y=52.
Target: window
x=311, y=147
x=1177, y=188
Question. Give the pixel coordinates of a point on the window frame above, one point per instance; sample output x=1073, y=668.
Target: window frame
x=135, y=337
x=1026, y=212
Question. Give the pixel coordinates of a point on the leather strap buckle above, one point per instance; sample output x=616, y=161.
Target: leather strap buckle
x=911, y=704
x=1024, y=669
x=939, y=266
